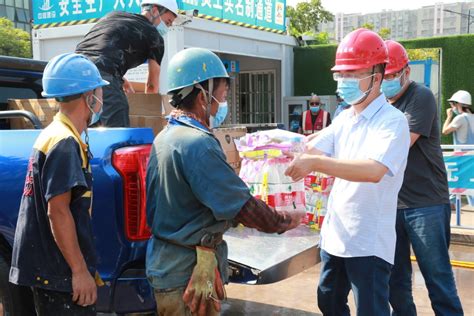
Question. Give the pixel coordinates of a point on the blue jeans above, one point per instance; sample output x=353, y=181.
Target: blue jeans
x=368, y=278
x=428, y=230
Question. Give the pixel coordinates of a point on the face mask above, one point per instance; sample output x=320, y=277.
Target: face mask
x=343, y=104
x=95, y=116
x=221, y=114
x=455, y=111
x=350, y=91
x=314, y=109
x=162, y=28
x=391, y=87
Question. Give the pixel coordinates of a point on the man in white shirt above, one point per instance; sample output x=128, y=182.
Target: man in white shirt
x=366, y=150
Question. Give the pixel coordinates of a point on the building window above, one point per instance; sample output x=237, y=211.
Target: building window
x=26, y=4
x=3, y=11
x=10, y=2
x=257, y=97
x=11, y=13
x=21, y=15
x=19, y=3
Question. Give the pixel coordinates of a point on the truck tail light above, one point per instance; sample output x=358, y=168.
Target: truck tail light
x=131, y=163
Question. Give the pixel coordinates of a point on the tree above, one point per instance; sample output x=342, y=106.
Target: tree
x=424, y=53
x=306, y=17
x=312, y=38
x=385, y=33
x=322, y=38
x=13, y=41
x=368, y=26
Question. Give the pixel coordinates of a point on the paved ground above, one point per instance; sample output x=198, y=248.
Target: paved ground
x=297, y=295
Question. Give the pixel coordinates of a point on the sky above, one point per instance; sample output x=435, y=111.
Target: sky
x=368, y=6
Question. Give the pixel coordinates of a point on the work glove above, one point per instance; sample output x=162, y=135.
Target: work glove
x=205, y=289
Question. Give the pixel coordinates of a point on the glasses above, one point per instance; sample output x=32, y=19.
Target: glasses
x=394, y=75
x=337, y=76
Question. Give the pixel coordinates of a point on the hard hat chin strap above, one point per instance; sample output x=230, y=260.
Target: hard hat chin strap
x=208, y=96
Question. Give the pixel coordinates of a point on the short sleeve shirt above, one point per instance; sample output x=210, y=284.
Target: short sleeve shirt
x=361, y=216
x=464, y=125
x=58, y=164
x=191, y=190
x=121, y=41
x=425, y=183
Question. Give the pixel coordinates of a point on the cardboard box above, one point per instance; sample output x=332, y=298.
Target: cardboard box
x=44, y=109
x=145, y=110
x=145, y=104
x=226, y=137
x=139, y=87
x=154, y=122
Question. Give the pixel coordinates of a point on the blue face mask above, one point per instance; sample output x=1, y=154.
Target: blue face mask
x=162, y=28
x=349, y=90
x=344, y=104
x=221, y=114
x=391, y=87
x=314, y=109
x=95, y=116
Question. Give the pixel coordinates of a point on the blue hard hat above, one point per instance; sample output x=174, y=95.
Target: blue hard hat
x=194, y=65
x=69, y=74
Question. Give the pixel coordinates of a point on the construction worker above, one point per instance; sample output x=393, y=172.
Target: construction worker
x=54, y=251
x=314, y=119
x=366, y=150
x=121, y=41
x=424, y=213
x=194, y=196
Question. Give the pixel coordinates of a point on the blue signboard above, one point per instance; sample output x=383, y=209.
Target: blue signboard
x=460, y=170
x=260, y=14
x=267, y=14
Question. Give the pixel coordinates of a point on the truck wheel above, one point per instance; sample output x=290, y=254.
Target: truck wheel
x=14, y=300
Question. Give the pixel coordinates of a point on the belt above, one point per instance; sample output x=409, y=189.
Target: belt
x=208, y=240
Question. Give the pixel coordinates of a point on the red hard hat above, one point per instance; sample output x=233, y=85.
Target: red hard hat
x=360, y=49
x=397, y=56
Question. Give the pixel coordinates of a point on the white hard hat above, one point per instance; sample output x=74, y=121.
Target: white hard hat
x=461, y=96
x=171, y=5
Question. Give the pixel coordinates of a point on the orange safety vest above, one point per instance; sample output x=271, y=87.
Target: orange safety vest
x=320, y=123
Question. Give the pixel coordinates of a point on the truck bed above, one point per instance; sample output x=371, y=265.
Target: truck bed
x=259, y=258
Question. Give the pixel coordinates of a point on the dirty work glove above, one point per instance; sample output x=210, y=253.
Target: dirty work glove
x=205, y=289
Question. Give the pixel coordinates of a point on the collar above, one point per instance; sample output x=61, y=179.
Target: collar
x=183, y=119
x=372, y=108
x=63, y=119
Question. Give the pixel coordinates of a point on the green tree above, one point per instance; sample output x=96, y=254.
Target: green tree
x=13, y=41
x=306, y=17
x=424, y=53
x=385, y=33
x=322, y=38
x=368, y=26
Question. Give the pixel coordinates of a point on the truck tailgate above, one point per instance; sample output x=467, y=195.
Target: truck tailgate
x=259, y=258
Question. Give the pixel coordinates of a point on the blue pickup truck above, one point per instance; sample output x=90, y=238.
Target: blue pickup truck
x=118, y=215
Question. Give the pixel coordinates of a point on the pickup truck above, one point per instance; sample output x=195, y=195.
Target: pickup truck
x=118, y=215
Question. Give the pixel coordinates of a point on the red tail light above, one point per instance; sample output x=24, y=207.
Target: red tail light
x=131, y=163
